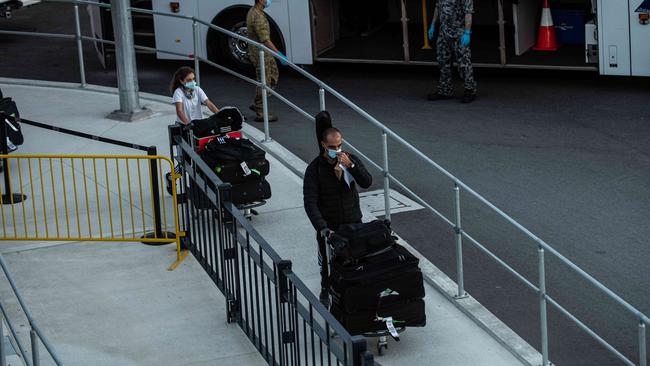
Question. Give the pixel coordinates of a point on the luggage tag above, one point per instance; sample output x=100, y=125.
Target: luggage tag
x=247, y=171
x=391, y=328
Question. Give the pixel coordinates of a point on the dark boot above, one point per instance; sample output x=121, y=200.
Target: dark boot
x=435, y=96
x=469, y=96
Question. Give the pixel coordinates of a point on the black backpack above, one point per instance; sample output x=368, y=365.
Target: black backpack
x=14, y=133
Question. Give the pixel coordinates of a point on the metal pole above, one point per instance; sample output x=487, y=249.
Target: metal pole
x=36, y=359
x=542, y=306
x=197, y=66
x=459, y=244
x=502, y=33
x=643, y=360
x=384, y=145
x=265, y=105
x=127, y=73
x=321, y=98
x=80, y=52
x=3, y=360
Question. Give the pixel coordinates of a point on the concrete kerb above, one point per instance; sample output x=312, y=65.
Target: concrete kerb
x=432, y=274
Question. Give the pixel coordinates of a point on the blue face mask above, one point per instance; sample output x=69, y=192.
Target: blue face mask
x=268, y=3
x=190, y=85
x=333, y=153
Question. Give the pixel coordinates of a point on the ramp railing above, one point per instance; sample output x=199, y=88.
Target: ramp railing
x=456, y=185
x=36, y=335
x=280, y=315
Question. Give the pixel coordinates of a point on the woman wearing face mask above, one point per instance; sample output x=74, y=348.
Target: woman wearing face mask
x=188, y=97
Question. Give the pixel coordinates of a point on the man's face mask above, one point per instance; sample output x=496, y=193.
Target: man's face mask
x=268, y=3
x=333, y=153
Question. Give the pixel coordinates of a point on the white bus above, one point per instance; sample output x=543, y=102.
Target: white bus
x=608, y=36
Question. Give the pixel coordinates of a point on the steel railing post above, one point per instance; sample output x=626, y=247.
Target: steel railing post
x=265, y=105
x=321, y=98
x=542, y=306
x=384, y=145
x=80, y=52
x=459, y=244
x=36, y=359
x=360, y=354
x=643, y=360
x=3, y=360
x=197, y=62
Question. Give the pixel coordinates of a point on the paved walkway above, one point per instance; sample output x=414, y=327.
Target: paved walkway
x=109, y=304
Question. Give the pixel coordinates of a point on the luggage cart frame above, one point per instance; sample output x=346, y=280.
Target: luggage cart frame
x=382, y=335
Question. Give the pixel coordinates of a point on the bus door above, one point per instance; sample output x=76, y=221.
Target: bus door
x=525, y=16
x=325, y=24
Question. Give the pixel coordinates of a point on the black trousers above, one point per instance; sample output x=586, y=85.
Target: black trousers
x=323, y=262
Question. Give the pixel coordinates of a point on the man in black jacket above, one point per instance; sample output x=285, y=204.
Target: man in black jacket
x=330, y=194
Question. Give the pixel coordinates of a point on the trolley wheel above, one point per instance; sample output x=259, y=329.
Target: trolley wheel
x=381, y=348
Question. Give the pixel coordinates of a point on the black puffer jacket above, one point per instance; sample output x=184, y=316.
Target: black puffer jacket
x=329, y=202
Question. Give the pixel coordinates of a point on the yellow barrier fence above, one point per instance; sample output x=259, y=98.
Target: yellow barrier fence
x=109, y=198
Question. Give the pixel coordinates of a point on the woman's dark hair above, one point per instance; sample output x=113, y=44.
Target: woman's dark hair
x=179, y=75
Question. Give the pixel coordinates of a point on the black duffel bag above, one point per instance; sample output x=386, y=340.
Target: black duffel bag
x=225, y=150
x=227, y=120
x=14, y=133
x=352, y=242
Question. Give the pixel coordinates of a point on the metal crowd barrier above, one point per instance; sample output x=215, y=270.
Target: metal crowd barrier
x=456, y=185
x=90, y=198
x=280, y=315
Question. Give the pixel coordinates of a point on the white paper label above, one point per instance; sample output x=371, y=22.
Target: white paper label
x=244, y=166
x=391, y=327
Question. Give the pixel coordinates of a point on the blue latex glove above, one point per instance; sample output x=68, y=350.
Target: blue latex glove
x=465, y=39
x=432, y=31
x=283, y=59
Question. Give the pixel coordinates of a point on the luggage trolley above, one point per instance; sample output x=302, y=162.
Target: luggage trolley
x=382, y=335
x=199, y=143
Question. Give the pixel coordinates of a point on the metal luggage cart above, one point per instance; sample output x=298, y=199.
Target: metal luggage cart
x=198, y=144
x=382, y=335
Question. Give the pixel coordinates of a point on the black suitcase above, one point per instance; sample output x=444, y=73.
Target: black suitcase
x=404, y=314
x=14, y=132
x=236, y=173
x=354, y=241
x=250, y=192
x=358, y=287
x=228, y=119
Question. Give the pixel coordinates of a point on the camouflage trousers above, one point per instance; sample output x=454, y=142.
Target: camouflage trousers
x=272, y=76
x=449, y=48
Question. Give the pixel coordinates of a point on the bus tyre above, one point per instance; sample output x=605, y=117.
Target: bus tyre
x=230, y=51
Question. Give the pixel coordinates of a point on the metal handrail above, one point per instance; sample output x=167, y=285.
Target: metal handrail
x=35, y=330
x=387, y=132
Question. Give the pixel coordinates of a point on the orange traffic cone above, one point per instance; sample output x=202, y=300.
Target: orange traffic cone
x=546, y=39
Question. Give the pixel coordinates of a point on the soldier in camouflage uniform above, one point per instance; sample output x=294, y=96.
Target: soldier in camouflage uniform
x=453, y=42
x=260, y=31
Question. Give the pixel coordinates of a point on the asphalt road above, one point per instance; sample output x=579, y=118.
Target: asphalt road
x=565, y=154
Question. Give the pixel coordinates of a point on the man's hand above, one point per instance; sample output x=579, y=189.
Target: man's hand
x=326, y=233
x=465, y=39
x=432, y=31
x=345, y=160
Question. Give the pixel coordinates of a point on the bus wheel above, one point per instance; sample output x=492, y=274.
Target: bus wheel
x=230, y=51
x=226, y=50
